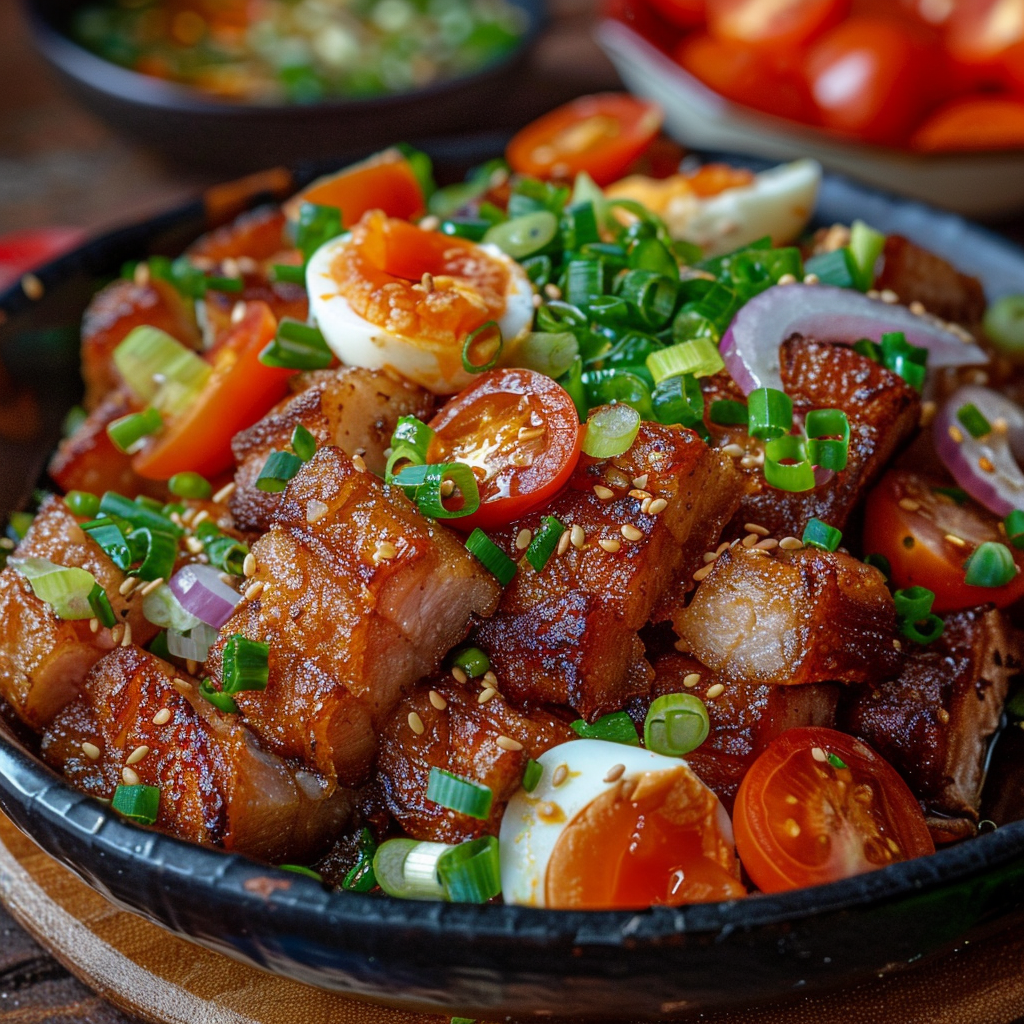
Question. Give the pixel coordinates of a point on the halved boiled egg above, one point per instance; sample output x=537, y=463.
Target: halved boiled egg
x=777, y=202
x=610, y=825
x=389, y=295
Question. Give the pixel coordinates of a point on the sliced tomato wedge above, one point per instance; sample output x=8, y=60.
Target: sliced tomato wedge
x=776, y=24
x=601, y=135
x=683, y=13
x=980, y=33
x=927, y=536
x=519, y=432
x=240, y=390
x=978, y=122
x=818, y=806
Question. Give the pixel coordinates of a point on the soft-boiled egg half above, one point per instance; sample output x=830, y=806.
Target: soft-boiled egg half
x=777, y=202
x=389, y=295
x=609, y=825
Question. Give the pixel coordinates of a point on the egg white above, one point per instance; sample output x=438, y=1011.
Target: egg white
x=358, y=342
x=527, y=840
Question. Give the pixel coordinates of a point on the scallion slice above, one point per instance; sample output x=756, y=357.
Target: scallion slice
x=547, y=352
x=288, y=273
x=611, y=431
x=524, y=236
x=426, y=486
x=297, y=346
x=786, y=465
x=679, y=399
x=973, y=420
x=158, y=551
x=924, y=632
x=866, y=245
x=137, y=514
x=579, y=226
x=818, y=534
x=190, y=485
x=879, y=562
x=414, y=434
x=140, y=804
x=455, y=793
x=611, y=386
x=676, y=724
x=65, y=589
x=107, y=534
x=470, y=872
x=909, y=361
x=225, y=284
x=769, y=412
x=226, y=553
x=246, y=665
x=127, y=432
x=616, y=727
x=493, y=559
x=991, y=565
x=1014, y=524
x=279, y=468
x=472, y=661
x=699, y=357
x=654, y=295
x=407, y=869
x=544, y=542
x=301, y=869
x=651, y=254
x=532, y=775
x=360, y=877
x=869, y=349
x=828, y=438
x=303, y=443
x=466, y=227
x=482, y=348
x=159, y=370
x=913, y=603
x=317, y=224
x=727, y=413
x=837, y=268
x=82, y=504
x=101, y=606
x=221, y=701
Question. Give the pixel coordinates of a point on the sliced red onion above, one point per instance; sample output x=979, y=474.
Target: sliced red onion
x=202, y=593
x=1000, y=489
x=193, y=647
x=750, y=347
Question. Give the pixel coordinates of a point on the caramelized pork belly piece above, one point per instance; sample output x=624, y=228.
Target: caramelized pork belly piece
x=218, y=308
x=467, y=738
x=744, y=717
x=89, y=461
x=792, y=617
x=568, y=635
x=216, y=784
x=882, y=409
x=256, y=234
x=933, y=723
x=362, y=596
x=917, y=275
x=355, y=409
x=44, y=658
x=116, y=311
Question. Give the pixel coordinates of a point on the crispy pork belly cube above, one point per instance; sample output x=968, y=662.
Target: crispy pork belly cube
x=256, y=234
x=467, y=738
x=363, y=596
x=116, y=311
x=283, y=299
x=933, y=723
x=794, y=617
x=568, y=635
x=353, y=408
x=216, y=784
x=44, y=658
x=883, y=412
x=744, y=717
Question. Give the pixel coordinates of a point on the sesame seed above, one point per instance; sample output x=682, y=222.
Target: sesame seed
x=630, y=532
x=657, y=506
x=986, y=465
x=459, y=675
x=872, y=293
x=715, y=690
x=709, y=556
x=489, y=679
x=358, y=463
x=507, y=743
x=818, y=754
x=523, y=538
x=640, y=482
x=811, y=279
x=5, y=542
x=130, y=777
x=227, y=578
x=249, y=566
x=943, y=716
x=138, y=754
x=90, y=750
x=563, y=542
x=180, y=685
x=577, y=536
x=645, y=506
x=917, y=308
x=537, y=301
x=928, y=410
x=162, y=717
x=254, y=590
x=768, y=544
x=1000, y=426
x=724, y=546
x=640, y=495
x=791, y=544
x=792, y=828
x=437, y=701
x=897, y=645
x=116, y=632
x=691, y=679
x=787, y=279
x=956, y=433
x=733, y=450
x=427, y=282
x=238, y=312
x=552, y=291
x=429, y=223
x=761, y=531
x=94, y=624
x=609, y=544
x=486, y=695
x=702, y=572
x=32, y=287
x=200, y=517
x=889, y=297
x=529, y=433
x=416, y=723
x=224, y=493
x=194, y=545
x=955, y=540
x=604, y=493
x=315, y=510
x=191, y=666
x=909, y=505
x=151, y=586
x=128, y=585
x=447, y=488
x=385, y=551
x=750, y=540
x=140, y=275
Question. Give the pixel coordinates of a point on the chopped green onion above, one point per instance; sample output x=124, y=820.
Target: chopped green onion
x=158, y=551
x=463, y=1020
x=317, y=224
x=225, y=284
x=651, y=254
x=407, y=869
x=866, y=245
x=956, y=494
x=65, y=589
x=221, y=701
x=493, y=559
x=82, y=504
x=18, y=524
x=485, y=342
x=572, y=382
x=107, y=534
x=532, y=194
x=699, y=357
x=584, y=282
x=726, y=413
x=117, y=506
x=837, y=268
x=226, y=553
x=550, y=353
x=140, y=804
x=836, y=762
x=1014, y=525
x=472, y=661
x=455, y=793
x=611, y=431
x=413, y=433
x=718, y=306
x=426, y=486
x=470, y=873
x=75, y=418
x=465, y=227
x=653, y=294
x=159, y=370
x=579, y=226
x=158, y=646
x=869, y=349
x=676, y=724
x=679, y=399
x=187, y=278
x=924, y=632
x=973, y=420
x=786, y=465
x=616, y=727
x=523, y=236
x=538, y=270
x=820, y=535
x=615, y=386
x=288, y=273
x=879, y=562
x=190, y=485
x=360, y=877
x=906, y=360
x=532, y=775
x=544, y=542
x=913, y=603
x=303, y=443
x=991, y=565
x=300, y=869
x=297, y=346
x=828, y=438
x=246, y=665
x=279, y=468
x=101, y=607
x=128, y=431
x=1004, y=324
x=769, y=413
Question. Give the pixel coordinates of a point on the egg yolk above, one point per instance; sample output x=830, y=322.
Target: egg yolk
x=651, y=839
x=419, y=284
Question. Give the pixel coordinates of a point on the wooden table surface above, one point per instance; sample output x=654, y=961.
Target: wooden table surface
x=61, y=166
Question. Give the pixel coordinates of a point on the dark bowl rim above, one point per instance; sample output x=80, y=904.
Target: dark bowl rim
x=146, y=91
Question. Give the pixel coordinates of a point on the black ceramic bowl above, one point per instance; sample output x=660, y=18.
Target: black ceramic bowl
x=189, y=127
x=489, y=961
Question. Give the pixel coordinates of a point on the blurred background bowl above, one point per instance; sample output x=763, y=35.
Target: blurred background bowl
x=189, y=127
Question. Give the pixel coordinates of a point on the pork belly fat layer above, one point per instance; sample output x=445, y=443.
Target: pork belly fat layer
x=934, y=722
x=216, y=784
x=43, y=658
x=568, y=634
x=353, y=408
x=363, y=596
x=882, y=409
x=793, y=617
x=462, y=737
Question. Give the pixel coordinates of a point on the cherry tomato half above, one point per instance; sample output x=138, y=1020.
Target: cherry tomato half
x=600, y=134
x=684, y=13
x=818, y=806
x=976, y=122
x=911, y=523
x=979, y=33
x=776, y=24
x=519, y=432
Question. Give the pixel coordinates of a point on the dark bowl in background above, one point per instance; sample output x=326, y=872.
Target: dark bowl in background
x=189, y=127
x=485, y=961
